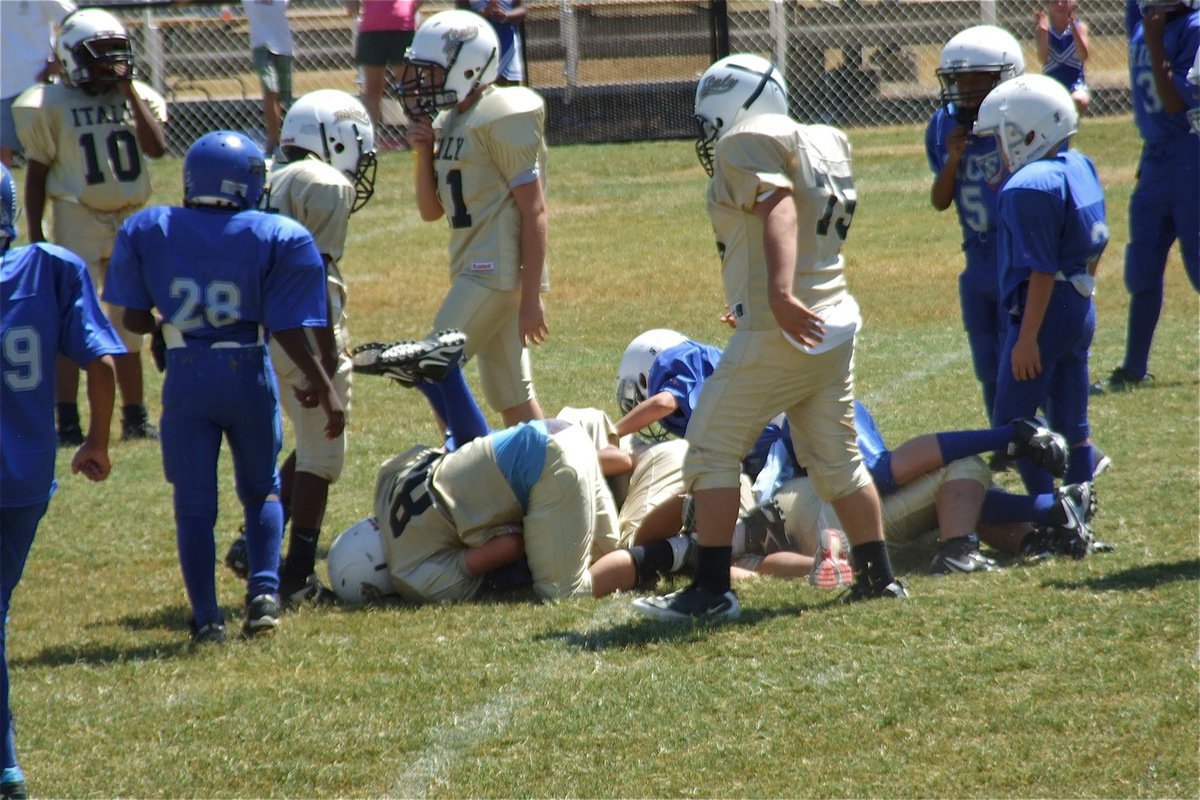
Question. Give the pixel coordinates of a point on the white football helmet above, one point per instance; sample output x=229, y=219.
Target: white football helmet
x=1029, y=116
x=982, y=49
x=358, y=570
x=737, y=87
x=633, y=376
x=334, y=126
x=453, y=53
x=93, y=50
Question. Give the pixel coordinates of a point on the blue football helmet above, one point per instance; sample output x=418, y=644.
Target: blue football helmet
x=8, y=208
x=223, y=169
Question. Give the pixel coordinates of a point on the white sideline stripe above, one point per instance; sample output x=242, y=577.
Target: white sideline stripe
x=468, y=729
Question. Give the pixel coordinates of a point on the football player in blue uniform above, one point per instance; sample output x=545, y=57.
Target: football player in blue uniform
x=222, y=277
x=1053, y=230
x=47, y=307
x=1165, y=204
x=968, y=174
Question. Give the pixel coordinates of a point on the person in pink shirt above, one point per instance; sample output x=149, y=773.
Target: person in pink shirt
x=385, y=31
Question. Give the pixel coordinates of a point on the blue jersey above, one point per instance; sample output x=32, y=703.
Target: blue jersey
x=265, y=272
x=1181, y=37
x=47, y=307
x=1063, y=63
x=681, y=372
x=1052, y=220
x=980, y=175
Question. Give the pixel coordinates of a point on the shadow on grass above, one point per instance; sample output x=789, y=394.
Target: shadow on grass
x=1146, y=576
x=641, y=631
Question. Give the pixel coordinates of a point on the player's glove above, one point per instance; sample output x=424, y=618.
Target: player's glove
x=158, y=349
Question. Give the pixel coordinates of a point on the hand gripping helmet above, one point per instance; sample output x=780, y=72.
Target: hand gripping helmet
x=93, y=50
x=334, y=126
x=633, y=376
x=735, y=88
x=1029, y=116
x=358, y=571
x=453, y=53
x=223, y=169
x=985, y=51
x=8, y=209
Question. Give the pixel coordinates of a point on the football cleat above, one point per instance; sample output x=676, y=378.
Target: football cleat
x=830, y=568
x=410, y=362
x=1033, y=440
x=212, y=633
x=262, y=616
x=863, y=590
x=765, y=529
x=961, y=554
x=1120, y=380
x=310, y=592
x=14, y=790
x=1070, y=534
x=694, y=603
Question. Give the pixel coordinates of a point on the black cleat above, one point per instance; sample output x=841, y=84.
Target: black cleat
x=695, y=603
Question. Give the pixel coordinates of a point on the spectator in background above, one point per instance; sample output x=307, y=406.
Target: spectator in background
x=26, y=58
x=508, y=19
x=1062, y=47
x=385, y=31
x=271, y=44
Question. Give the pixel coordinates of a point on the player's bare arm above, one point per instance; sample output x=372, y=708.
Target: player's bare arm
x=1153, y=22
x=150, y=135
x=495, y=553
x=531, y=202
x=35, y=198
x=420, y=139
x=778, y=216
x=1026, y=357
x=92, y=456
x=647, y=412
x=320, y=389
x=942, y=193
x=614, y=461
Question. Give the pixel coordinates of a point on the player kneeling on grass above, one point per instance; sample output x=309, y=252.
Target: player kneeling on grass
x=47, y=307
x=219, y=277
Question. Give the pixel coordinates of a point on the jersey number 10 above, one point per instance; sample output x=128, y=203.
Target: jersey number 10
x=122, y=154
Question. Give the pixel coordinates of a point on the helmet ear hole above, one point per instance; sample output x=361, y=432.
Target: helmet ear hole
x=1030, y=136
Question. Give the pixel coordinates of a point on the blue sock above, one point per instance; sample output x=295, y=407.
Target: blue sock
x=434, y=395
x=1000, y=507
x=264, y=540
x=1037, y=480
x=197, y=554
x=1080, y=464
x=960, y=444
x=463, y=415
x=1144, y=310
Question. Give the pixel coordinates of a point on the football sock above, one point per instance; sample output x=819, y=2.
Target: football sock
x=301, y=555
x=68, y=415
x=712, y=568
x=134, y=415
x=1080, y=464
x=1145, y=306
x=434, y=395
x=197, y=554
x=1037, y=480
x=1001, y=507
x=10, y=756
x=651, y=558
x=960, y=444
x=463, y=414
x=264, y=535
x=871, y=562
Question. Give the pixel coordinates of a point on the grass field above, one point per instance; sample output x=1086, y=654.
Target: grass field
x=1066, y=679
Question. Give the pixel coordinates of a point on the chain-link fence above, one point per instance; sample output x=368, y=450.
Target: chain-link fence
x=614, y=70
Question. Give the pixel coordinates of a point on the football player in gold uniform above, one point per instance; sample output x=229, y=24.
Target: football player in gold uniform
x=480, y=160
x=85, y=139
x=781, y=202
